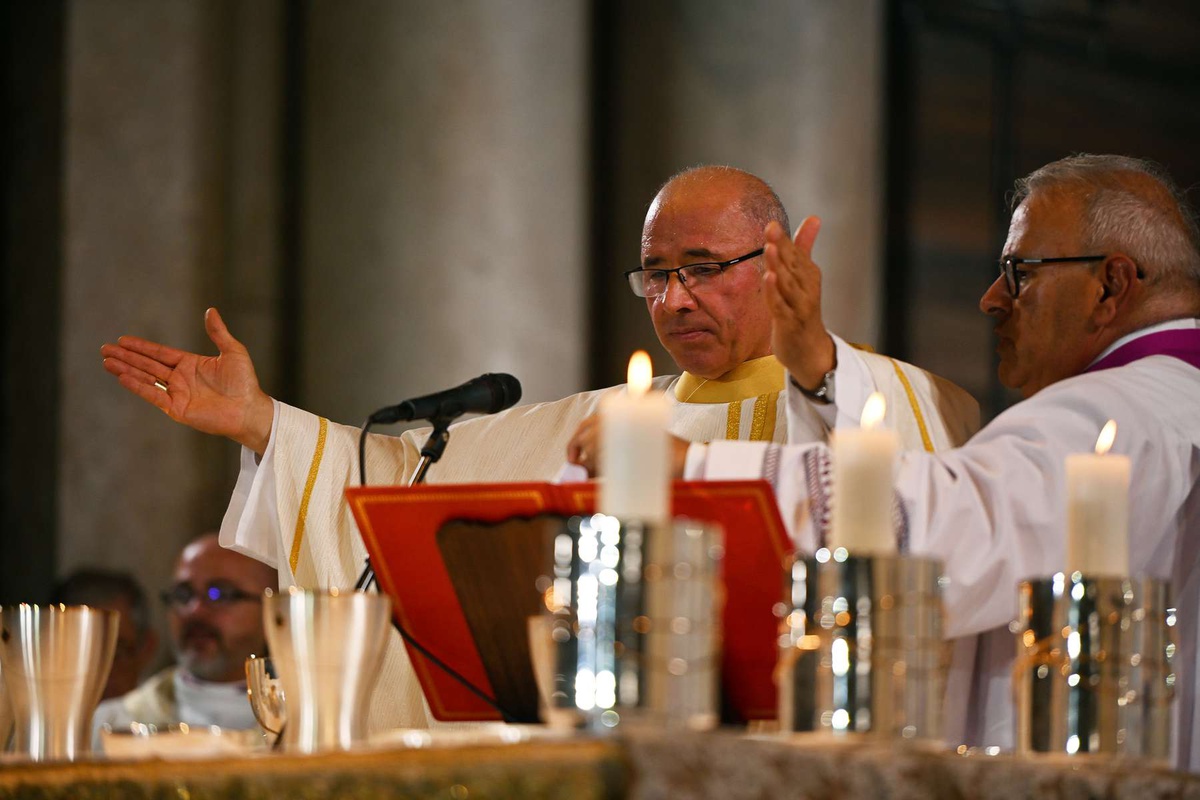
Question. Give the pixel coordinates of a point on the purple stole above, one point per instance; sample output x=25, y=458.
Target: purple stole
x=1181, y=343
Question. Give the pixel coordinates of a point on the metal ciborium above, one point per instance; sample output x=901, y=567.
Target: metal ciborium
x=861, y=646
x=327, y=647
x=637, y=627
x=1094, y=666
x=56, y=661
x=265, y=692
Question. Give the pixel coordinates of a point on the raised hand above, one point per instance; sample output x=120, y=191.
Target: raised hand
x=793, y=289
x=213, y=394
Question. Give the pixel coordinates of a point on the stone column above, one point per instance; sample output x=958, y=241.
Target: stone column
x=444, y=230
x=169, y=208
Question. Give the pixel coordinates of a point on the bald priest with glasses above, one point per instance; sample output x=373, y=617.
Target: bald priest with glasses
x=702, y=278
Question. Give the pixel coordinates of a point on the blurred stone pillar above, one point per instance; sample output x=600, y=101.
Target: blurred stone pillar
x=169, y=208
x=445, y=215
x=791, y=90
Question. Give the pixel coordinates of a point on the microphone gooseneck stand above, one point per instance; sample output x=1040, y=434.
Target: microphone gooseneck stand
x=431, y=452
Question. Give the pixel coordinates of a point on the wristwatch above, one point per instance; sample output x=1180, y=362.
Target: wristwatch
x=823, y=393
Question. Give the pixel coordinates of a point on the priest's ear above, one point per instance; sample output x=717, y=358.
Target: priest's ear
x=1119, y=281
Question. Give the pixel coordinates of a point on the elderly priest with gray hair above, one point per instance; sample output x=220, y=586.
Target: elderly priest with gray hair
x=1095, y=309
x=701, y=275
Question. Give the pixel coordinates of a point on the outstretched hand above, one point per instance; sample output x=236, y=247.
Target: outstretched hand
x=793, y=289
x=584, y=448
x=213, y=394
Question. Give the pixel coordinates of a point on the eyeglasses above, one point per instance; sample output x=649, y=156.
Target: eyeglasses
x=653, y=282
x=1013, y=275
x=218, y=593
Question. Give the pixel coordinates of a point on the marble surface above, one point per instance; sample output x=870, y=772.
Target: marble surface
x=647, y=766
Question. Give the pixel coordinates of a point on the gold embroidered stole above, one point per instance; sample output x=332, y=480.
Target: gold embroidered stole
x=760, y=378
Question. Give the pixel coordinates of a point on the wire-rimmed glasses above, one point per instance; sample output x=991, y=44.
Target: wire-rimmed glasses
x=653, y=282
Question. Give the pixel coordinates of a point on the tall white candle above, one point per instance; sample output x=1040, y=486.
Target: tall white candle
x=1098, y=510
x=635, y=481
x=864, y=459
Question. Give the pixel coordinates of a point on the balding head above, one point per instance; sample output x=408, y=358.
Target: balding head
x=755, y=200
x=216, y=612
x=702, y=215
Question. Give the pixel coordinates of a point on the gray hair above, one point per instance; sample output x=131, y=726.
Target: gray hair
x=1131, y=205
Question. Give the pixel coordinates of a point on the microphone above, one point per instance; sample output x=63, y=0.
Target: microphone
x=486, y=394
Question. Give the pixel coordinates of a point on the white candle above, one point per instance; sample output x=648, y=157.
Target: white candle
x=635, y=481
x=1098, y=510
x=864, y=459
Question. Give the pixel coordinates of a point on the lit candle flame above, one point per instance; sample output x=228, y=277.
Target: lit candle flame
x=873, y=411
x=1107, y=435
x=640, y=373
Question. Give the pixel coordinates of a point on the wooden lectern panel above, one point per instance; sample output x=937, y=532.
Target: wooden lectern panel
x=494, y=568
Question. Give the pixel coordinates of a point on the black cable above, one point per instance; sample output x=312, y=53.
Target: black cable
x=368, y=574
x=362, y=453
x=453, y=673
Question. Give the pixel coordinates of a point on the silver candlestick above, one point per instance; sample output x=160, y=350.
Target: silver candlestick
x=638, y=622
x=861, y=646
x=1094, y=666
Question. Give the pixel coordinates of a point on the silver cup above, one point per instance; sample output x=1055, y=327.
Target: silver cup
x=1094, y=666
x=56, y=661
x=862, y=647
x=328, y=648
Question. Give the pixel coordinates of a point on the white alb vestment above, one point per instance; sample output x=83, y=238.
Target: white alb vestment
x=289, y=510
x=172, y=696
x=994, y=511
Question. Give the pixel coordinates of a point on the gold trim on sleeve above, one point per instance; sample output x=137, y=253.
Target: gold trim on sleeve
x=916, y=409
x=733, y=421
x=762, y=428
x=313, y=469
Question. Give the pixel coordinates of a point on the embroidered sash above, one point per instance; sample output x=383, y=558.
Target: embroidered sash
x=760, y=379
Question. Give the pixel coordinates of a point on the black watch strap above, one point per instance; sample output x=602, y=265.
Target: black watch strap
x=823, y=393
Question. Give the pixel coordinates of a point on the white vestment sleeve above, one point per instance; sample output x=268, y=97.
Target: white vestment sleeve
x=995, y=512
x=852, y=385
x=251, y=522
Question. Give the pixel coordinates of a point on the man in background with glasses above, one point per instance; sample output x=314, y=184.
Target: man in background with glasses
x=214, y=615
x=701, y=277
x=1097, y=313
